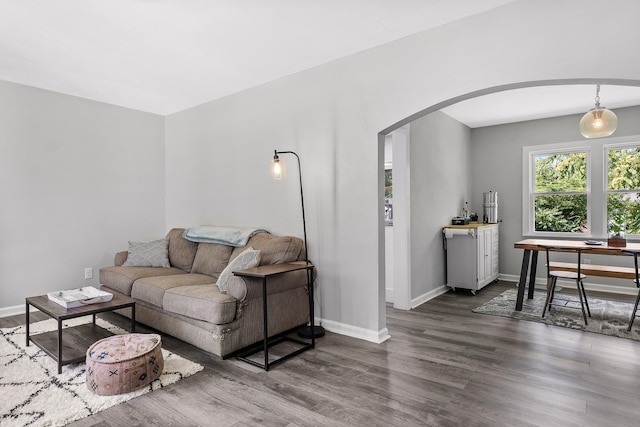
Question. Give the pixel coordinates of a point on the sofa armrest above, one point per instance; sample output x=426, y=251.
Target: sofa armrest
x=246, y=288
x=120, y=258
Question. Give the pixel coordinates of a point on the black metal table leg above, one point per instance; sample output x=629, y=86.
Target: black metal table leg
x=523, y=278
x=59, y=346
x=26, y=315
x=532, y=275
x=265, y=343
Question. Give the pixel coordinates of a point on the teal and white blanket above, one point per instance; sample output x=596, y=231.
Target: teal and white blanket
x=232, y=236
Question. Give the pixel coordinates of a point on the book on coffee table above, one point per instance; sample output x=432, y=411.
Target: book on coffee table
x=78, y=297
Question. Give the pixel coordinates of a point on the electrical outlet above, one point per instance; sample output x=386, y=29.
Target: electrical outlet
x=88, y=273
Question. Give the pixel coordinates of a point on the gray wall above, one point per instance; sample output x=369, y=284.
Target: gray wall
x=218, y=153
x=497, y=165
x=440, y=184
x=78, y=179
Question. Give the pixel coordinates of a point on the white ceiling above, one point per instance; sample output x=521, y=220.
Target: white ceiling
x=539, y=103
x=164, y=56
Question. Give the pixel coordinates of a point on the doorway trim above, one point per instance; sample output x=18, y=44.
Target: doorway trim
x=400, y=143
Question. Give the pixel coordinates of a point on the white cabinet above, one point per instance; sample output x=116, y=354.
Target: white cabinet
x=472, y=255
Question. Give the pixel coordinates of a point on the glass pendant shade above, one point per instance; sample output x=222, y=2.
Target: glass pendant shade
x=277, y=170
x=598, y=123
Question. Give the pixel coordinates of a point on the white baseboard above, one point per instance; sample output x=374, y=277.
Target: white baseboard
x=429, y=296
x=508, y=278
x=377, y=337
x=13, y=311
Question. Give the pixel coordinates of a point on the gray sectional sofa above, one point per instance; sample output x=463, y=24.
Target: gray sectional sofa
x=183, y=300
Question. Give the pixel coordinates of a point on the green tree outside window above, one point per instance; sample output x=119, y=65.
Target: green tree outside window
x=623, y=189
x=560, y=194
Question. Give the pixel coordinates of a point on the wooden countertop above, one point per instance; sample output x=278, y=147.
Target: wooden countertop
x=470, y=225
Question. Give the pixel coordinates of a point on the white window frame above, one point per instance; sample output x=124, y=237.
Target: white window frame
x=605, y=183
x=597, y=164
x=528, y=216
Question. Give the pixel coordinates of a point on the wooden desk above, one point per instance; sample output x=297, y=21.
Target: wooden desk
x=530, y=258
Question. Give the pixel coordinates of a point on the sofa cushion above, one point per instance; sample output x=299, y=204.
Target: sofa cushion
x=211, y=259
x=148, y=254
x=152, y=289
x=181, y=251
x=120, y=258
x=120, y=278
x=274, y=249
x=249, y=258
x=201, y=302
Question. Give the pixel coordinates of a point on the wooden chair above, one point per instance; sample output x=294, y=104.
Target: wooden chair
x=635, y=253
x=577, y=276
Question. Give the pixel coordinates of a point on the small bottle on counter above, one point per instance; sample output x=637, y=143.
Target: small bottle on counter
x=465, y=212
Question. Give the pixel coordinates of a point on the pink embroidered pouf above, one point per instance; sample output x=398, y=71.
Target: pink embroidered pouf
x=123, y=363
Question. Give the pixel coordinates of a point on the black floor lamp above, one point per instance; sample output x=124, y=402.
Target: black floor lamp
x=311, y=330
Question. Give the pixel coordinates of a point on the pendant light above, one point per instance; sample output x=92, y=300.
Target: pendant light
x=598, y=122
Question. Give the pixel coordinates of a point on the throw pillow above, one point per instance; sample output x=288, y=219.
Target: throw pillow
x=148, y=254
x=248, y=259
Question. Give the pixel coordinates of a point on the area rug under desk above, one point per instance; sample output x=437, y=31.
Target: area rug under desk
x=33, y=394
x=608, y=317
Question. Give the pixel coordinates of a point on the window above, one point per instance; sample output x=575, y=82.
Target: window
x=584, y=189
x=623, y=189
x=560, y=192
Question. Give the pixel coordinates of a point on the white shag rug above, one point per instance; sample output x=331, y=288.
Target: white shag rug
x=32, y=393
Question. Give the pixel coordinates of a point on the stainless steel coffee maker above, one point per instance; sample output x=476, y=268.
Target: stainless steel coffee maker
x=490, y=207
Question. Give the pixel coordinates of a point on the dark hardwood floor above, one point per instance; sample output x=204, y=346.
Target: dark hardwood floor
x=443, y=366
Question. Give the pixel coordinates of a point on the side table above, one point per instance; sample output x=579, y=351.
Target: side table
x=264, y=272
x=77, y=339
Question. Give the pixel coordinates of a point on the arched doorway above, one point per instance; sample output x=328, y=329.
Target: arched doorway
x=409, y=264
